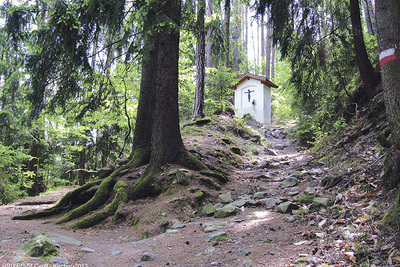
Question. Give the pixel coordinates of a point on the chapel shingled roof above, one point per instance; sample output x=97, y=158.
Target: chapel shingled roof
x=247, y=76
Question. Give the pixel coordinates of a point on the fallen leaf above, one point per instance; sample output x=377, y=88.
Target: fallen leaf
x=300, y=243
x=350, y=256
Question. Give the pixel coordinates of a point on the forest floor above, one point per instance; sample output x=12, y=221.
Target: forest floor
x=343, y=233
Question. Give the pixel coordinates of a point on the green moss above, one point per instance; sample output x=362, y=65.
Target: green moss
x=121, y=197
x=97, y=200
x=135, y=221
x=220, y=176
x=199, y=196
x=145, y=235
x=209, y=183
x=40, y=246
x=164, y=226
x=64, y=202
x=392, y=216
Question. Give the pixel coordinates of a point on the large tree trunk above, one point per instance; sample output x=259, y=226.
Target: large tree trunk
x=369, y=76
x=144, y=122
x=198, y=106
x=388, y=20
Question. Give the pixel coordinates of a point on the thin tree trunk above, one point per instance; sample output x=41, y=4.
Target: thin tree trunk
x=368, y=75
x=262, y=37
x=246, y=31
x=236, y=28
x=227, y=18
x=268, y=52
x=273, y=59
x=209, y=60
x=198, y=108
x=369, y=17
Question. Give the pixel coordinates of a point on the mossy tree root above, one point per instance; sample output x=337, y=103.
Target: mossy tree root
x=98, y=199
x=67, y=201
x=120, y=198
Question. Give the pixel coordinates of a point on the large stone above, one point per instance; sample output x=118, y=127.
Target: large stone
x=319, y=202
x=269, y=202
x=288, y=182
x=147, y=256
x=226, y=211
x=213, y=226
x=215, y=236
x=40, y=246
x=305, y=198
x=65, y=239
x=243, y=202
x=260, y=195
x=208, y=209
x=226, y=198
x=271, y=152
x=287, y=207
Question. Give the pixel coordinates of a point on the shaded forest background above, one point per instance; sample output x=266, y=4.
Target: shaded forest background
x=70, y=74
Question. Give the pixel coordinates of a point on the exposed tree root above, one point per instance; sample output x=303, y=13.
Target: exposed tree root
x=98, y=199
x=149, y=184
x=120, y=198
x=68, y=201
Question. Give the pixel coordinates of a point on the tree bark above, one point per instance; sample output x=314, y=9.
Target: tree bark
x=198, y=107
x=387, y=13
x=209, y=61
x=268, y=51
x=368, y=75
x=227, y=17
x=236, y=27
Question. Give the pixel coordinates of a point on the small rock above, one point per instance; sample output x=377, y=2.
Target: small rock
x=116, y=252
x=272, y=253
x=260, y=195
x=209, y=250
x=319, y=202
x=226, y=198
x=310, y=190
x=287, y=207
x=215, y=236
x=293, y=193
x=213, y=226
x=88, y=250
x=236, y=220
x=289, y=219
x=178, y=226
x=147, y=256
x=244, y=252
x=271, y=152
x=247, y=263
x=171, y=231
x=288, y=182
x=269, y=202
x=376, y=262
x=17, y=259
x=59, y=260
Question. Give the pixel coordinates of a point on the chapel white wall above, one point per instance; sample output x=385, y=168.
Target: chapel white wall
x=261, y=111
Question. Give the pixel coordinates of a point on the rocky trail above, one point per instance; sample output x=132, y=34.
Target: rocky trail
x=272, y=212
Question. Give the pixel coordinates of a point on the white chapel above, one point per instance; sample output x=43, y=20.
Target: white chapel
x=253, y=96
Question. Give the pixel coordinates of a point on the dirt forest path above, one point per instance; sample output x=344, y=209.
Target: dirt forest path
x=255, y=236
